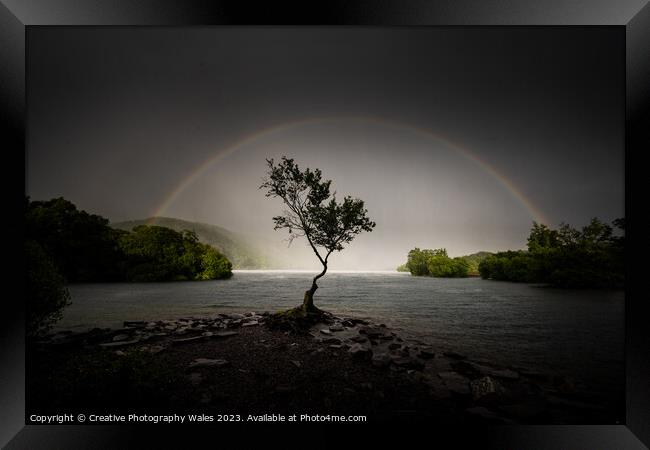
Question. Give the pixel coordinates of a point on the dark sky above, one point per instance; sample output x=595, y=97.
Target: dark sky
x=455, y=137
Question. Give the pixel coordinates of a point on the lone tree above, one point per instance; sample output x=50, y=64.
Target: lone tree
x=314, y=213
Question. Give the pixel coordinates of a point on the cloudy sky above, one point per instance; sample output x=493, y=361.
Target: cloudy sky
x=454, y=137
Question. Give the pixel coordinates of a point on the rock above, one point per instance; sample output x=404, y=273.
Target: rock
x=332, y=340
x=426, y=353
x=156, y=349
x=381, y=360
x=483, y=386
x=359, y=339
x=236, y=316
x=408, y=362
x=336, y=346
x=120, y=344
x=298, y=364
x=120, y=337
x=498, y=373
x=135, y=323
x=564, y=385
x=186, y=340
x=120, y=353
x=205, y=362
x=225, y=334
x=348, y=323
x=251, y=323
x=249, y=314
x=284, y=389
x=360, y=351
x=366, y=386
x=336, y=327
x=207, y=334
x=325, y=331
x=453, y=355
x=455, y=382
x=525, y=410
x=371, y=332
x=486, y=414
x=234, y=323
x=394, y=346
x=195, y=378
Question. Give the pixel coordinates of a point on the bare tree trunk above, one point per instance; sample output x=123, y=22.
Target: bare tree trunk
x=308, y=302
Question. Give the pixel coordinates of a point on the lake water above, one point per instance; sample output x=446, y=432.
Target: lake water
x=575, y=333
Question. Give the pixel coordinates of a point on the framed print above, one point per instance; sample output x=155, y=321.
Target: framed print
x=400, y=215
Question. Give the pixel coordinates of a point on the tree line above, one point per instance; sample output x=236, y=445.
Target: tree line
x=591, y=257
x=65, y=245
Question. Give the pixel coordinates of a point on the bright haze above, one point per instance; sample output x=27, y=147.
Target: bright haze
x=454, y=137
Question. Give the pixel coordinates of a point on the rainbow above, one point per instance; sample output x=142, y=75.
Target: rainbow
x=535, y=213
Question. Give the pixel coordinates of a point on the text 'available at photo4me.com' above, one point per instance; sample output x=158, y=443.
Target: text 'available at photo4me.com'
x=81, y=418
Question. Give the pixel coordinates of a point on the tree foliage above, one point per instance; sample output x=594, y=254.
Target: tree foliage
x=436, y=263
x=567, y=257
x=313, y=212
x=45, y=290
x=84, y=248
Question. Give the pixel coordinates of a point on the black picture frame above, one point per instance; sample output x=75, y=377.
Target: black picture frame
x=17, y=15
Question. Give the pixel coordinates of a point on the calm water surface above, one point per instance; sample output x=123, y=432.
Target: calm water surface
x=575, y=333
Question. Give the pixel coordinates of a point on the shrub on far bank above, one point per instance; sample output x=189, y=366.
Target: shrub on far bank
x=436, y=263
x=45, y=291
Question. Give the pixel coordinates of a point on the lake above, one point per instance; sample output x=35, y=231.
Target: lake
x=576, y=333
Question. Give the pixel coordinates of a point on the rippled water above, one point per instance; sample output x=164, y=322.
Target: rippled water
x=576, y=333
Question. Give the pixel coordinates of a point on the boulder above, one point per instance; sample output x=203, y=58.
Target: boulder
x=493, y=372
x=426, y=353
x=484, y=386
x=455, y=382
x=381, y=360
x=206, y=362
x=225, y=334
x=186, y=340
x=407, y=362
x=487, y=415
x=120, y=337
x=195, y=378
x=120, y=344
x=360, y=351
x=250, y=323
x=336, y=327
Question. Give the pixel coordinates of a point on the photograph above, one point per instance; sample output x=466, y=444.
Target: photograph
x=325, y=224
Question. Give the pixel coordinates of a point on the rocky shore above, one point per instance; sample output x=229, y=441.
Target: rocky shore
x=234, y=364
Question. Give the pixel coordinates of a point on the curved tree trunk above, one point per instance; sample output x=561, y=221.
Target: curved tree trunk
x=308, y=302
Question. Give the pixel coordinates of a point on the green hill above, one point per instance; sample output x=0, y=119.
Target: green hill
x=243, y=253
x=474, y=260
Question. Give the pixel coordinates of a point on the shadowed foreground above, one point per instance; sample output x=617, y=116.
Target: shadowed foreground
x=234, y=364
